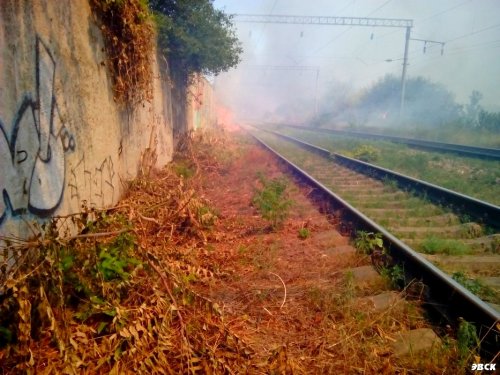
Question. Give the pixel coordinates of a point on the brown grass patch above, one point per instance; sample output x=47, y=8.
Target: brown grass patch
x=214, y=291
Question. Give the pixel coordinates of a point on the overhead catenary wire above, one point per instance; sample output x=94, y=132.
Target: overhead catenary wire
x=262, y=31
x=347, y=30
x=456, y=51
x=418, y=21
x=380, y=7
x=426, y=19
x=473, y=33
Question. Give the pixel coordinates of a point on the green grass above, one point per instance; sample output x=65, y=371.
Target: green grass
x=368, y=242
x=395, y=275
x=467, y=340
x=474, y=177
x=182, y=168
x=476, y=287
x=304, y=233
x=435, y=245
x=272, y=200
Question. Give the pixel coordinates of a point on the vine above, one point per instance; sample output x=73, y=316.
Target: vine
x=128, y=33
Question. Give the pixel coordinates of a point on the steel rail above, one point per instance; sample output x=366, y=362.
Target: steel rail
x=482, y=211
x=480, y=152
x=445, y=295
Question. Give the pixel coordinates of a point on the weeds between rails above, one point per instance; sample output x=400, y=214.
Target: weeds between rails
x=476, y=178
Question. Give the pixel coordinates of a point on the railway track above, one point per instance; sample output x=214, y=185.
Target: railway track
x=465, y=150
x=432, y=238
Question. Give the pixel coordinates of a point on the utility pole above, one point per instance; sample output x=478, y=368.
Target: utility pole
x=340, y=21
x=403, y=76
x=405, y=64
x=316, y=95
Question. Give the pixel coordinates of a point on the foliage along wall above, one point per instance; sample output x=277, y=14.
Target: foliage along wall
x=64, y=141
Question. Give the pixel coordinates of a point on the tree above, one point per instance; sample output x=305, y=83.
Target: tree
x=195, y=37
x=489, y=120
x=426, y=103
x=473, y=109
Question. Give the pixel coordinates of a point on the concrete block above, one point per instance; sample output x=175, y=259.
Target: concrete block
x=415, y=341
x=365, y=274
x=378, y=302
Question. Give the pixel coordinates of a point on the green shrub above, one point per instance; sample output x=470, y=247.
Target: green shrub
x=434, y=245
x=394, y=274
x=467, y=339
x=368, y=242
x=182, y=168
x=114, y=260
x=475, y=286
x=366, y=153
x=272, y=201
x=304, y=233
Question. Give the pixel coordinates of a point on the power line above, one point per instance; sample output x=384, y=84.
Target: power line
x=474, y=32
x=380, y=7
x=456, y=51
x=426, y=19
x=280, y=67
x=349, y=4
x=338, y=35
x=264, y=26
x=422, y=20
x=474, y=46
x=347, y=30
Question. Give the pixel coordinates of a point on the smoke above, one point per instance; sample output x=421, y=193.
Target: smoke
x=295, y=73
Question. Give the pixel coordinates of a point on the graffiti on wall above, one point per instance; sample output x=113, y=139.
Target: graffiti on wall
x=32, y=153
x=92, y=185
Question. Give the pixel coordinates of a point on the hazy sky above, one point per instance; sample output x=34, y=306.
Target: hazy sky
x=354, y=57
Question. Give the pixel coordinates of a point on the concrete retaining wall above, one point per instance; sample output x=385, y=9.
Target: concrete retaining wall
x=64, y=142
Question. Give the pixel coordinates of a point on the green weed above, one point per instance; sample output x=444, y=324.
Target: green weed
x=366, y=153
x=467, y=340
x=391, y=183
x=368, y=242
x=207, y=216
x=435, y=245
x=114, y=260
x=304, y=233
x=182, y=168
x=395, y=275
x=272, y=201
x=475, y=286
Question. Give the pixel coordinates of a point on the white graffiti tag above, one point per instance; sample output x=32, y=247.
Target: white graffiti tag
x=32, y=154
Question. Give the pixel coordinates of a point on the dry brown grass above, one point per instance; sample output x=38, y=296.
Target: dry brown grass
x=214, y=291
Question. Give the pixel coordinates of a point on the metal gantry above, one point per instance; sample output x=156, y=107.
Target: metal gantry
x=340, y=21
x=324, y=20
